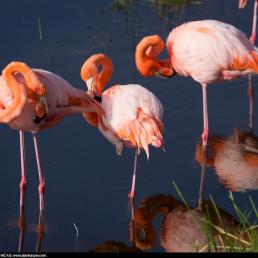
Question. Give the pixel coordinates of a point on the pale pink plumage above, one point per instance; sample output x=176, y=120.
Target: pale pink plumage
x=211, y=51
x=58, y=99
x=208, y=51
x=132, y=116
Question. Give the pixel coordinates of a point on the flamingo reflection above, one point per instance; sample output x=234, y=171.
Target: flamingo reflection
x=234, y=158
x=117, y=246
x=182, y=229
x=40, y=229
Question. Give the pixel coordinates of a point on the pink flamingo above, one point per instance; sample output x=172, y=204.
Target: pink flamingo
x=32, y=100
x=250, y=92
x=132, y=113
x=208, y=51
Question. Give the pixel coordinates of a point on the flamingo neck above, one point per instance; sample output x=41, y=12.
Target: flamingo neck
x=146, y=57
x=98, y=79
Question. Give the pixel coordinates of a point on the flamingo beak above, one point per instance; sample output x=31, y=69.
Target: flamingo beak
x=90, y=84
x=160, y=75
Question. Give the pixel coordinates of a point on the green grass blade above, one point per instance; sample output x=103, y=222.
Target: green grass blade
x=181, y=195
x=253, y=206
x=40, y=29
x=216, y=209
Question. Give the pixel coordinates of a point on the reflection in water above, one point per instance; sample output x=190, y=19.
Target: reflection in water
x=116, y=246
x=40, y=230
x=182, y=229
x=250, y=93
x=203, y=176
x=234, y=158
x=165, y=9
x=22, y=227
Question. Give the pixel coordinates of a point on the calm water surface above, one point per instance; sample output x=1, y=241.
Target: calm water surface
x=87, y=184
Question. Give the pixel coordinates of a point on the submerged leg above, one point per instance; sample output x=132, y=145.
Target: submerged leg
x=41, y=186
x=132, y=192
x=250, y=93
x=23, y=181
x=40, y=231
x=22, y=227
x=203, y=176
x=205, y=115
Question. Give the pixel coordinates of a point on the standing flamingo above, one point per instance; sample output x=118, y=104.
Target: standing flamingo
x=132, y=113
x=250, y=91
x=34, y=99
x=208, y=51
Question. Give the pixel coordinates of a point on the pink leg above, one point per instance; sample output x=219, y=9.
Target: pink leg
x=250, y=93
x=253, y=36
x=132, y=192
x=40, y=231
x=22, y=227
x=205, y=116
x=41, y=186
x=203, y=176
x=23, y=182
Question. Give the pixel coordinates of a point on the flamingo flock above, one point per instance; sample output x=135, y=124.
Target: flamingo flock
x=209, y=51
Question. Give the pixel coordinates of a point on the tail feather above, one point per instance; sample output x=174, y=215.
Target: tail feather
x=143, y=131
x=254, y=55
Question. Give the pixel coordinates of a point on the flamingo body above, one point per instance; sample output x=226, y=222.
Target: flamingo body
x=132, y=115
x=210, y=51
x=61, y=98
x=34, y=99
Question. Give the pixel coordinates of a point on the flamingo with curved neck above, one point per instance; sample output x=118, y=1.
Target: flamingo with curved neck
x=208, y=51
x=34, y=99
x=133, y=114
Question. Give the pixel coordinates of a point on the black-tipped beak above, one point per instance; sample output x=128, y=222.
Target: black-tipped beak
x=97, y=98
x=159, y=75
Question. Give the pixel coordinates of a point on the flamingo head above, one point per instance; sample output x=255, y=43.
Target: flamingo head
x=146, y=55
x=96, y=78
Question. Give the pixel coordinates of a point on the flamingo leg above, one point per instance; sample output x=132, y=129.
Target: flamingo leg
x=40, y=231
x=23, y=182
x=253, y=35
x=132, y=223
x=132, y=192
x=203, y=176
x=22, y=227
x=250, y=93
x=41, y=186
x=205, y=116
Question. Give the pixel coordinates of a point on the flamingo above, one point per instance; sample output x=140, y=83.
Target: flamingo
x=132, y=116
x=32, y=100
x=250, y=92
x=208, y=50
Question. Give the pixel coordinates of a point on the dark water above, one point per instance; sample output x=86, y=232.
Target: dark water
x=87, y=184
